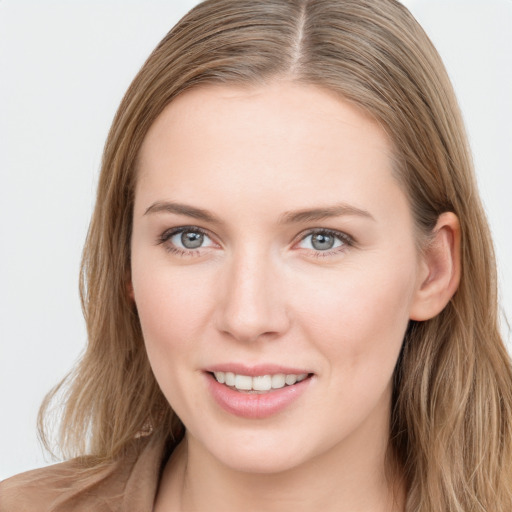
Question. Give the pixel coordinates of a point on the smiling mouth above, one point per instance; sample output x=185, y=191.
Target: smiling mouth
x=260, y=383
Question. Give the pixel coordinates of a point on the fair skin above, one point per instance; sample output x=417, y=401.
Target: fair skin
x=257, y=286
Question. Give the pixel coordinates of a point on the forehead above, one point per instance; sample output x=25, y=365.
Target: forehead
x=281, y=110
x=258, y=142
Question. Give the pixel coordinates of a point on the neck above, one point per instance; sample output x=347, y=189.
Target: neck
x=352, y=476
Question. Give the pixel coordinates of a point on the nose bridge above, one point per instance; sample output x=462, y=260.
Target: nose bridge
x=252, y=303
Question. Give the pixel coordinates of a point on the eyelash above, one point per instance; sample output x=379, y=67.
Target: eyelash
x=347, y=241
x=169, y=233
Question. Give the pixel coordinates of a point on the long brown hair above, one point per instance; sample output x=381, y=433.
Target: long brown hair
x=451, y=424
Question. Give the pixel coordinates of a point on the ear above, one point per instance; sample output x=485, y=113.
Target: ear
x=439, y=269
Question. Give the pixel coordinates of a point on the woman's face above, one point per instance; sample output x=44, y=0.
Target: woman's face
x=272, y=243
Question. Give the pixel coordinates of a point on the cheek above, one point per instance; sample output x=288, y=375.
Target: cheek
x=168, y=298
x=174, y=305
x=359, y=317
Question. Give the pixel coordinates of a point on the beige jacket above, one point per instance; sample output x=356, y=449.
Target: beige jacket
x=129, y=484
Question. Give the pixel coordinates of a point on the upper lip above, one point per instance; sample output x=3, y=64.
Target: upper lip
x=256, y=370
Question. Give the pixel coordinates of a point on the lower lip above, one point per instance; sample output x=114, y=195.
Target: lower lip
x=252, y=405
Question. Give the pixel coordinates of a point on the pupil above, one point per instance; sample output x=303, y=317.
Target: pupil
x=192, y=240
x=322, y=242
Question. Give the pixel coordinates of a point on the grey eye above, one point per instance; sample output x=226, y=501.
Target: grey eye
x=322, y=241
x=192, y=239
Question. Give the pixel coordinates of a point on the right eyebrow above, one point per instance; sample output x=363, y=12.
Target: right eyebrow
x=183, y=209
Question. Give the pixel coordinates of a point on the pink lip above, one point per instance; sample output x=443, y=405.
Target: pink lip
x=255, y=406
x=253, y=371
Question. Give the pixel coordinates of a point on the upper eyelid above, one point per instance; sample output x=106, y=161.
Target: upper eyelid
x=180, y=229
x=339, y=234
x=345, y=237
x=167, y=234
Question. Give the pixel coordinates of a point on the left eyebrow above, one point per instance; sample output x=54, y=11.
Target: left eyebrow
x=323, y=213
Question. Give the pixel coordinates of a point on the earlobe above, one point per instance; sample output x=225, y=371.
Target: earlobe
x=441, y=263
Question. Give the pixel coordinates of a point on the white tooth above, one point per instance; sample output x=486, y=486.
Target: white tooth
x=220, y=376
x=230, y=379
x=301, y=377
x=278, y=381
x=243, y=382
x=262, y=383
x=290, y=379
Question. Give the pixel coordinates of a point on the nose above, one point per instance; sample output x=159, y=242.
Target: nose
x=252, y=299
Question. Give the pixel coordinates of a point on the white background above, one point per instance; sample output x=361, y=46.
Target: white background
x=64, y=66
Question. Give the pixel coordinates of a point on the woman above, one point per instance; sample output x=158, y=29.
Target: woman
x=288, y=281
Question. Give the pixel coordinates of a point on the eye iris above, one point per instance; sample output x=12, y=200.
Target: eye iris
x=322, y=241
x=192, y=240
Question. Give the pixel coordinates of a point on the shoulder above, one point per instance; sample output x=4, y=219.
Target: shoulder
x=81, y=486
x=44, y=489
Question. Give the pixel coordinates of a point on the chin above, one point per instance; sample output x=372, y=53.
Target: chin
x=257, y=453
x=261, y=463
